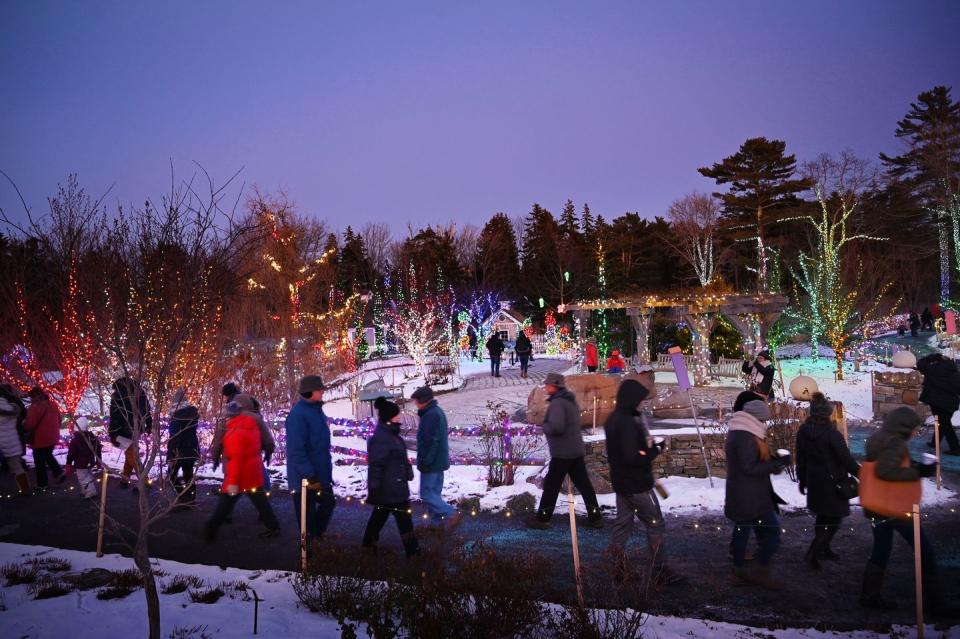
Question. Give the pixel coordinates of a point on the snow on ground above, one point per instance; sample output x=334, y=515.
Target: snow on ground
x=81, y=615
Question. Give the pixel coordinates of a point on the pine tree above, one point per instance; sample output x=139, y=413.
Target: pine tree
x=568, y=221
x=930, y=168
x=586, y=221
x=498, y=264
x=761, y=180
x=542, y=269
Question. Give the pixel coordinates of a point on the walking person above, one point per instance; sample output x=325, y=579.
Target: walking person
x=433, y=456
x=759, y=374
x=130, y=418
x=926, y=320
x=887, y=448
x=630, y=452
x=42, y=428
x=523, y=348
x=565, y=442
x=183, y=448
x=12, y=415
x=823, y=461
x=914, y=325
x=750, y=501
x=243, y=475
x=308, y=457
x=495, y=347
x=941, y=392
x=388, y=475
x=591, y=357
x=242, y=402
x=83, y=455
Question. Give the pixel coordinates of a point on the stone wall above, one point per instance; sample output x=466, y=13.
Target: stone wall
x=894, y=389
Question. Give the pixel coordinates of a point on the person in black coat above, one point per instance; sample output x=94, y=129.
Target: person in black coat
x=759, y=374
x=941, y=392
x=926, y=320
x=630, y=452
x=523, y=348
x=823, y=459
x=129, y=415
x=914, y=325
x=750, y=500
x=183, y=447
x=388, y=474
x=495, y=347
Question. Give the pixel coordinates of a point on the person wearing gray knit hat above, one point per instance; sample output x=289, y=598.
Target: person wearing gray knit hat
x=555, y=379
x=422, y=395
x=823, y=464
x=750, y=500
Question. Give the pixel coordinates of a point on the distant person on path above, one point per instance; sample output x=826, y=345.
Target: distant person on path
x=750, y=500
x=83, y=455
x=926, y=320
x=616, y=363
x=472, y=336
x=823, y=459
x=388, y=476
x=524, y=348
x=12, y=412
x=243, y=474
x=42, y=427
x=888, y=448
x=183, y=447
x=941, y=392
x=914, y=325
x=759, y=374
x=630, y=452
x=495, y=347
x=433, y=456
x=591, y=358
x=565, y=441
x=308, y=457
x=129, y=414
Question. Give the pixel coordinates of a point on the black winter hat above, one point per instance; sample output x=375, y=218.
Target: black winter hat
x=229, y=390
x=820, y=406
x=386, y=410
x=423, y=394
x=311, y=383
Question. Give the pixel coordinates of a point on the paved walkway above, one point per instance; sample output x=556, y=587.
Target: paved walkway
x=510, y=375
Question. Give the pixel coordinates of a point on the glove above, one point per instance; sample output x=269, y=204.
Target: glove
x=926, y=470
x=803, y=488
x=785, y=459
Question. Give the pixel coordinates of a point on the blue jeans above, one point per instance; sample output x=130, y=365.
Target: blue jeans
x=767, y=529
x=431, y=488
x=883, y=543
x=319, y=511
x=494, y=365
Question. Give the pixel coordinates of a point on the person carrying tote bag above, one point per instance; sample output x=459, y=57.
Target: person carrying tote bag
x=889, y=487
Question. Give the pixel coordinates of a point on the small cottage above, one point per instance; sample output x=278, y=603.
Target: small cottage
x=506, y=321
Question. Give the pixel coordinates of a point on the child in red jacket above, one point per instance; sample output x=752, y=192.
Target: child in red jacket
x=615, y=363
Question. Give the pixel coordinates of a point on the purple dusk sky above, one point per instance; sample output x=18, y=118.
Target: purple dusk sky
x=427, y=112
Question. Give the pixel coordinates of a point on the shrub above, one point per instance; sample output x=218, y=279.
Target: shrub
x=196, y=632
x=114, y=592
x=16, y=574
x=208, y=595
x=180, y=583
x=50, y=564
x=48, y=588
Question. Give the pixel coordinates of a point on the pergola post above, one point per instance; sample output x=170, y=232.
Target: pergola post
x=700, y=326
x=640, y=319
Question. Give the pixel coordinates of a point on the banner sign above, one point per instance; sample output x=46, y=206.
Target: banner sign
x=680, y=366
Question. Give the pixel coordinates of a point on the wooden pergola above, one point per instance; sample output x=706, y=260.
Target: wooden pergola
x=752, y=315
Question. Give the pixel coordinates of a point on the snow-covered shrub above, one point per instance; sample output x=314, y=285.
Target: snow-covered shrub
x=16, y=574
x=48, y=587
x=180, y=583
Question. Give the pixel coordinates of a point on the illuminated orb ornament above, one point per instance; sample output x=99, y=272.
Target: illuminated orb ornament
x=904, y=359
x=803, y=387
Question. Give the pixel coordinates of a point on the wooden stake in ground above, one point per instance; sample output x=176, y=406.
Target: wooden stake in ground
x=573, y=540
x=103, y=512
x=303, y=525
x=918, y=569
x=594, y=415
x=936, y=445
x=703, y=450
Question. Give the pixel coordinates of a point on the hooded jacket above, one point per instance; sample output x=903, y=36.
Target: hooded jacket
x=243, y=469
x=433, y=448
x=749, y=491
x=823, y=459
x=10, y=443
x=562, y=426
x=388, y=469
x=85, y=450
x=183, y=445
x=888, y=446
x=245, y=403
x=308, y=446
x=590, y=355
x=941, y=382
x=523, y=345
x=495, y=345
x=629, y=456
x=43, y=420
x=123, y=416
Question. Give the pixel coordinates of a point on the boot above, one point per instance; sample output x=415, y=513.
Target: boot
x=23, y=484
x=870, y=594
x=825, y=551
x=813, y=553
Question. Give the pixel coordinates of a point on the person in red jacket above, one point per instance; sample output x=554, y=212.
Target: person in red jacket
x=43, y=432
x=243, y=474
x=591, y=358
x=615, y=363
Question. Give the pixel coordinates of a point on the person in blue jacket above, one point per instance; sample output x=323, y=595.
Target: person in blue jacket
x=308, y=457
x=433, y=456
